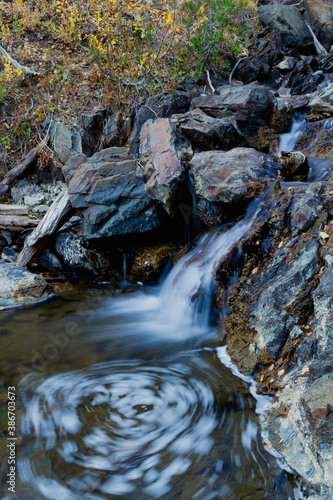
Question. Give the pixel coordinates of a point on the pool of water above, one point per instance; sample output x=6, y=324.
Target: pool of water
x=107, y=408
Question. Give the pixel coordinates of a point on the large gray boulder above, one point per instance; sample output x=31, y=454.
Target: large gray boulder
x=160, y=162
x=18, y=286
x=109, y=195
x=289, y=22
x=232, y=177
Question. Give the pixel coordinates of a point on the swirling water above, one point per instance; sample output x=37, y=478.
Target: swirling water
x=123, y=395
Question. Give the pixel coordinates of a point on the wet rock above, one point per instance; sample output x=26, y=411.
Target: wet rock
x=298, y=102
x=270, y=320
x=305, y=209
x=303, y=435
x=160, y=163
x=289, y=22
x=320, y=110
x=18, y=286
x=75, y=253
x=295, y=166
x=232, y=177
x=316, y=140
x=161, y=106
x=149, y=263
x=206, y=132
x=111, y=198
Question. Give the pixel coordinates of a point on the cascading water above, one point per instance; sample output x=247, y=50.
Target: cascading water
x=158, y=416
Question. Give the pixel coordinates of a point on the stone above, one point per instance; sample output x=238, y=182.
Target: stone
x=48, y=260
x=248, y=101
x=9, y=255
x=160, y=106
x=25, y=192
x=238, y=100
x=93, y=123
x=149, y=263
x=289, y=22
x=264, y=53
x=304, y=209
x=316, y=140
x=287, y=64
x=110, y=197
x=18, y=286
x=232, y=177
x=160, y=163
x=72, y=165
x=65, y=142
x=206, y=132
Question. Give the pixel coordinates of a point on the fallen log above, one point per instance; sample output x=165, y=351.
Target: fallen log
x=15, y=172
x=15, y=218
x=58, y=213
x=13, y=209
x=17, y=222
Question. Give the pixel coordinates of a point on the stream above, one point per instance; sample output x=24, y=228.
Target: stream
x=123, y=392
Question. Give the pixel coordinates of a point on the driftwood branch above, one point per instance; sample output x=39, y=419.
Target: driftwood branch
x=16, y=65
x=58, y=213
x=16, y=218
x=15, y=172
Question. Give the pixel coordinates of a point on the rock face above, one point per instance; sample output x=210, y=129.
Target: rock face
x=288, y=21
x=232, y=177
x=160, y=164
x=18, y=286
x=279, y=323
x=111, y=198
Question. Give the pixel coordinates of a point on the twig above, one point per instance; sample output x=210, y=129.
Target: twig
x=20, y=116
x=16, y=65
x=210, y=82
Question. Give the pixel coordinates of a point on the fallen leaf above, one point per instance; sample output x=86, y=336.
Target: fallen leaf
x=268, y=446
x=281, y=244
x=303, y=378
x=280, y=372
x=281, y=441
x=305, y=370
x=255, y=270
x=270, y=368
x=262, y=376
x=324, y=235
